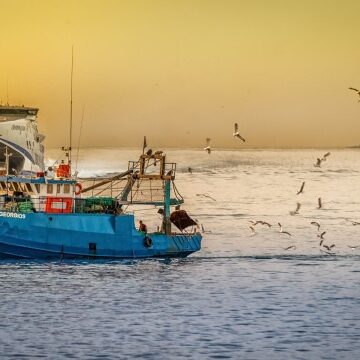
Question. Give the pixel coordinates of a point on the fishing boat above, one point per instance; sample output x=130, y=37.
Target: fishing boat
x=21, y=145
x=56, y=215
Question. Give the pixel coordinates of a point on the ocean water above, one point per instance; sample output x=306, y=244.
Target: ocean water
x=243, y=296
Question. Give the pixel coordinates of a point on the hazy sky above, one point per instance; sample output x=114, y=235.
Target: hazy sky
x=180, y=71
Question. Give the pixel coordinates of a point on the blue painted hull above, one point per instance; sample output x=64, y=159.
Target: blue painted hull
x=79, y=236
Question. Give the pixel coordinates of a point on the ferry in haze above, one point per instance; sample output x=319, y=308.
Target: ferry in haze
x=21, y=148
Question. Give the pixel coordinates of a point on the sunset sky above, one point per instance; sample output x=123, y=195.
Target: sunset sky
x=180, y=71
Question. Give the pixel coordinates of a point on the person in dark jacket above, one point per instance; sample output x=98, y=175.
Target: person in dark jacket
x=142, y=227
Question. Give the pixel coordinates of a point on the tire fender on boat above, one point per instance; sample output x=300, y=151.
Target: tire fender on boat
x=78, y=188
x=147, y=242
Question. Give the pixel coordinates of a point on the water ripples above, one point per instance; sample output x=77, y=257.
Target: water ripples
x=242, y=296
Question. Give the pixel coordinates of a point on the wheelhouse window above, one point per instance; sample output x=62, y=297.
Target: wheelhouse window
x=37, y=187
x=66, y=189
x=58, y=188
x=50, y=188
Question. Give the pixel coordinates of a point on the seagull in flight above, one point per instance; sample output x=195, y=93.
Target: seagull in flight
x=321, y=236
x=296, y=211
x=325, y=156
x=318, y=162
x=254, y=223
x=319, y=203
x=316, y=224
x=301, y=191
x=281, y=231
x=353, y=247
x=236, y=133
x=207, y=196
x=253, y=232
x=290, y=247
x=357, y=91
x=329, y=247
x=208, y=148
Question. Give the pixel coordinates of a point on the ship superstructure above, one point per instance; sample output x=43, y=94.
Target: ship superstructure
x=21, y=148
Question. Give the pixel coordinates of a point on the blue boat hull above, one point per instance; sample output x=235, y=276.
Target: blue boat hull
x=79, y=236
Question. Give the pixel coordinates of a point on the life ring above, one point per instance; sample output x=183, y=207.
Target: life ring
x=147, y=242
x=78, y=188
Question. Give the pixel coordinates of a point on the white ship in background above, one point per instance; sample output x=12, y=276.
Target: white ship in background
x=21, y=148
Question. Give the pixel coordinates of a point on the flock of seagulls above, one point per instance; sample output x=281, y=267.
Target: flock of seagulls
x=324, y=245
x=236, y=135
x=318, y=163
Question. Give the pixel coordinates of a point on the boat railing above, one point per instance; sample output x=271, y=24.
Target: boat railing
x=131, y=190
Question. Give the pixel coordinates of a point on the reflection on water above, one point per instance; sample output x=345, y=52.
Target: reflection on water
x=242, y=296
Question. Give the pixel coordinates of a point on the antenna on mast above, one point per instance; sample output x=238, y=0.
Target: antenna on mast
x=7, y=91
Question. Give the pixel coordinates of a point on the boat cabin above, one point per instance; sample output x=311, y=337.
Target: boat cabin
x=49, y=195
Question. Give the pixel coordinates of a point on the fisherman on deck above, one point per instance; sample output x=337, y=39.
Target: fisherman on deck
x=142, y=227
x=181, y=219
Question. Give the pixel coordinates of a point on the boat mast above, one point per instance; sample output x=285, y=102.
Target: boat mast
x=71, y=103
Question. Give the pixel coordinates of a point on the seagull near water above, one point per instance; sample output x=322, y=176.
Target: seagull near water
x=207, y=196
x=208, y=148
x=281, y=231
x=319, y=203
x=253, y=232
x=254, y=223
x=301, y=191
x=296, y=211
x=236, y=133
x=315, y=224
x=265, y=223
x=325, y=156
x=329, y=247
x=320, y=160
x=321, y=236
